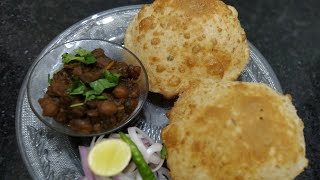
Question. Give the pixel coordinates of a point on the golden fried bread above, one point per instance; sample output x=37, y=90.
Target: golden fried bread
x=181, y=42
x=234, y=130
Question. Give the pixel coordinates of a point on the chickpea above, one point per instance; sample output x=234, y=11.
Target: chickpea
x=97, y=127
x=121, y=91
x=134, y=71
x=93, y=113
x=135, y=92
x=77, y=112
x=107, y=108
x=49, y=107
x=131, y=104
x=82, y=125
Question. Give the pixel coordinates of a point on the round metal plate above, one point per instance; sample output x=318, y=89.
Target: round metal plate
x=50, y=155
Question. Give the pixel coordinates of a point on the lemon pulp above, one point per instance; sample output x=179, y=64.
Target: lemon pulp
x=109, y=157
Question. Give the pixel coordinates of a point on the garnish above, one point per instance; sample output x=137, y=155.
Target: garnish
x=163, y=152
x=83, y=56
x=98, y=86
x=143, y=168
x=78, y=87
x=95, y=88
x=112, y=77
x=82, y=52
x=109, y=158
x=49, y=79
x=101, y=97
x=101, y=84
x=109, y=155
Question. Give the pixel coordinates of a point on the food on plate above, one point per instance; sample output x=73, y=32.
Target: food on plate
x=234, y=130
x=124, y=156
x=142, y=166
x=181, y=42
x=115, y=152
x=92, y=92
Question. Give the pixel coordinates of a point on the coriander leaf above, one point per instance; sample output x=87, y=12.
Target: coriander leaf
x=82, y=52
x=101, y=97
x=78, y=87
x=89, y=59
x=78, y=90
x=96, y=87
x=83, y=56
x=112, y=77
x=163, y=152
x=100, y=85
x=66, y=58
x=90, y=95
x=88, y=56
x=49, y=79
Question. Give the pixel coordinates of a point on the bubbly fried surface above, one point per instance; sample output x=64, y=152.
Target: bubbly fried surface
x=234, y=130
x=181, y=42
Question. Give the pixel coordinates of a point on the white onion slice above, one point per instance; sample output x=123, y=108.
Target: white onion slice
x=130, y=168
x=99, y=139
x=140, y=132
x=155, y=159
x=93, y=142
x=114, y=135
x=156, y=147
x=134, y=137
x=138, y=177
x=164, y=172
x=145, y=142
x=121, y=176
x=131, y=174
x=158, y=166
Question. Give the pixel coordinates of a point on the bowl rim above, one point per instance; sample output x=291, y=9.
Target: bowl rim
x=73, y=133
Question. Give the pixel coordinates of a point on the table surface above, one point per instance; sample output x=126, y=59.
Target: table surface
x=285, y=32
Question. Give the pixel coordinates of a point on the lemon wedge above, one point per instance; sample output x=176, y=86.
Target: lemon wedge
x=109, y=157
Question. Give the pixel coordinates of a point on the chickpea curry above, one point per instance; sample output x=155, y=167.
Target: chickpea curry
x=92, y=92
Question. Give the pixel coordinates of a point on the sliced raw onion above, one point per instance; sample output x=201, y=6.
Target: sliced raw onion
x=100, y=138
x=122, y=176
x=138, y=177
x=134, y=137
x=163, y=172
x=130, y=168
x=84, y=160
x=150, y=154
x=155, y=159
x=158, y=166
x=93, y=142
x=114, y=135
x=145, y=142
x=148, y=148
x=143, y=134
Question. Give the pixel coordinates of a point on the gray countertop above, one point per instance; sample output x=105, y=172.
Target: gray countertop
x=286, y=32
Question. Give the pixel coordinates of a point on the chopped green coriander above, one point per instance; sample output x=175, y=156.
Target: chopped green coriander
x=163, y=152
x=78, y=87
x=49, y=79
x=83, y=56
x=112, y=77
